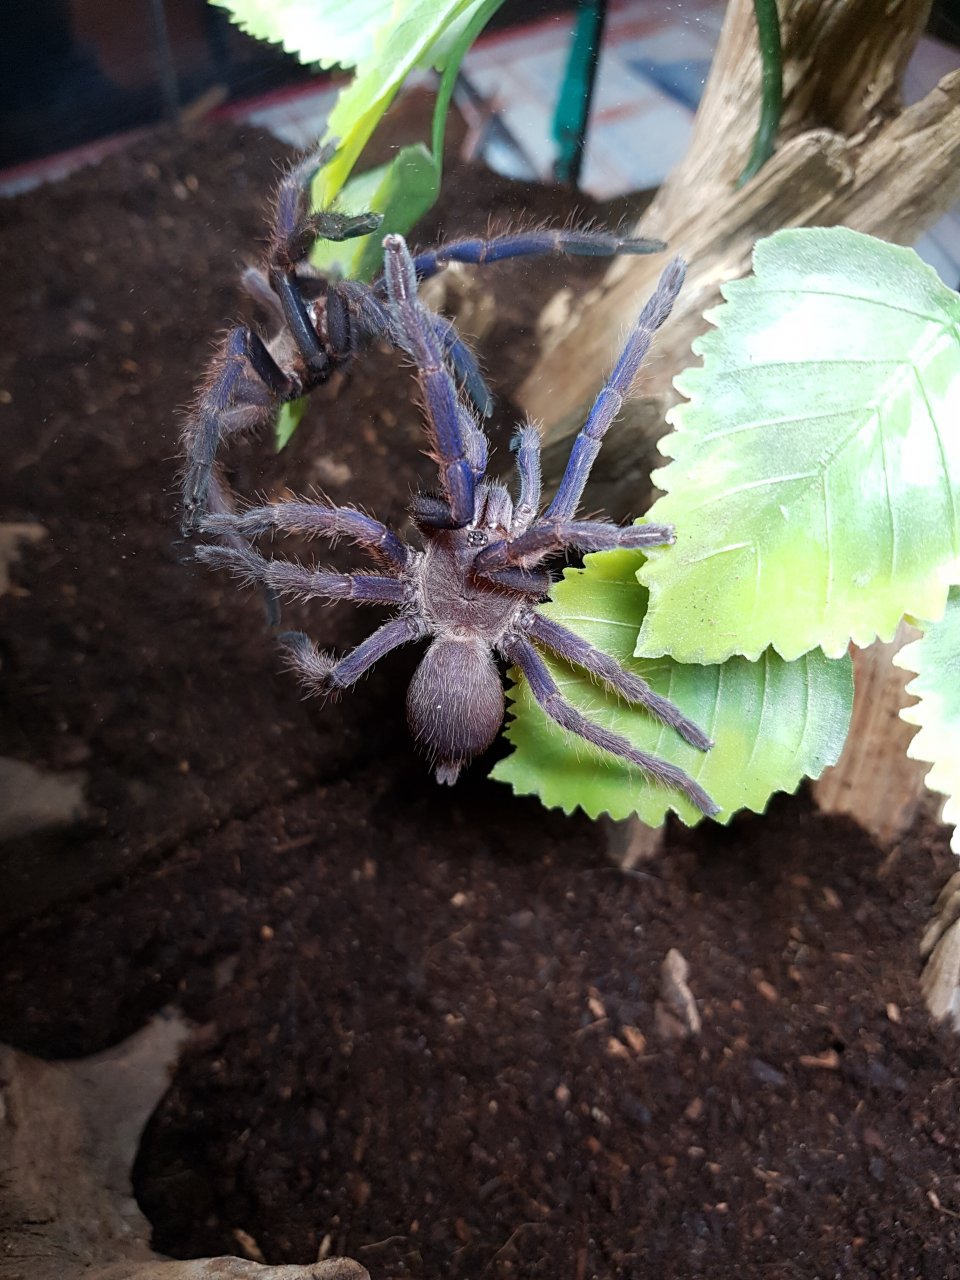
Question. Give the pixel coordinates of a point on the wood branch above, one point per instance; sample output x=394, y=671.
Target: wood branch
x=632, y=842
x=874, y=781
x=848, y=155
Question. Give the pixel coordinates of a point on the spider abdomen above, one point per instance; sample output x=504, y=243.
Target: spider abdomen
x=455, y=703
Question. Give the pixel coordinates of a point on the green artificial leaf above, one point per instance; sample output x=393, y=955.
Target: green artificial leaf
x=288, y=419
x=936, y=659
x=413, y=38
x=773, y=722
x=328, y=33
x=815, y=481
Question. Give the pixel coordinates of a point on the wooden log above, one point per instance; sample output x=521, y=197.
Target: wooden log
x=848, y=153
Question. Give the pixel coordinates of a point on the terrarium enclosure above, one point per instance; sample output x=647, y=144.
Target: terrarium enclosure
x=274, y=1003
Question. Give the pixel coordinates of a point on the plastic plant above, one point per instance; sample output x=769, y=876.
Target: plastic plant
x=814, y=484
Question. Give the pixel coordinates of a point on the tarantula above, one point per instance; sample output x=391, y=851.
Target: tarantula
x=473, y=588
x=322, y=323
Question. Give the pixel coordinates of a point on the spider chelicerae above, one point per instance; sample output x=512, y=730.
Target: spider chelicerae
x=473, y=588
x=322, y=322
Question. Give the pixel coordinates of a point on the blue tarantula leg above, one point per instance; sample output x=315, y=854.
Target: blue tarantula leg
x=450, y=441
x=295, y=229
x=243, y=386
x=522, y=654
x=464, y=364
x=573, y=648
x=526, y=448
x=314, y=519
x=322, y=674
x=289, y=579
x=299, y=323
x=535, y=243
x=610, y=400
x=374, y=321
x=292, y=235
x=547, y=536
x=528, y=582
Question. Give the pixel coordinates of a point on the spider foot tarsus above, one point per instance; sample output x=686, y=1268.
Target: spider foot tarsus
x=306, y=660
x=323, y=675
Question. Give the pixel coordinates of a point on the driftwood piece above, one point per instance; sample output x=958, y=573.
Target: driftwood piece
x=631, y=842
x=940, y=949
x=847, y=154
x=874, y=781
x=68, y=1137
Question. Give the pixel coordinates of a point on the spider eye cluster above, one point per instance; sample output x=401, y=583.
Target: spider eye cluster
x=477, y=538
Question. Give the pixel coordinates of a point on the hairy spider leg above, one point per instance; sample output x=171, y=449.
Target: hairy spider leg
x=478, y=251
x=544, y=688
x=526, y=449
x=464, y=364
x=289, y=579
x=529, y=582
x=574, y=649
x=451, y=428
x=315, y=519
x=537, y=243
x=295, y=227
x=547, y=536
x=610, y=400
x=232, y=402
x=375, y=321
x=322, y=674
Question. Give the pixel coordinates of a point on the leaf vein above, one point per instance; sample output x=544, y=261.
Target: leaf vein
x=764, y=692
x=891, y=506
x=944, y=465
x=942, y=321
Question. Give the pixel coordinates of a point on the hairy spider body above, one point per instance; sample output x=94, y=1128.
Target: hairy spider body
x=320, y=323
x=455, y=704
x=473, y=586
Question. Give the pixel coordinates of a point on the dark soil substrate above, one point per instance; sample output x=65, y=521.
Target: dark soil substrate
x=426, y=1027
